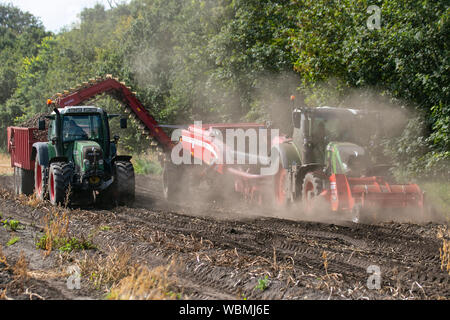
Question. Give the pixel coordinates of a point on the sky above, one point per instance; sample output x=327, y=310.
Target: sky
x=56, y=14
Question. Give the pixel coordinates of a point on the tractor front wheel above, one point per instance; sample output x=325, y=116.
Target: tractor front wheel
x=60, y=176
x=124, y=183
x=312, y=187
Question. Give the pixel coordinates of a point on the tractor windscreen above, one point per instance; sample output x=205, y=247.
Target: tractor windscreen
x=347, y=158
x=355, y=129
x=82, y=127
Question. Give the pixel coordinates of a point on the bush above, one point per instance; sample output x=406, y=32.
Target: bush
x=145, y=166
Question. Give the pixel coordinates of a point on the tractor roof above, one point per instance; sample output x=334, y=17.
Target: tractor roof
x=80, y=109
x=333, y=112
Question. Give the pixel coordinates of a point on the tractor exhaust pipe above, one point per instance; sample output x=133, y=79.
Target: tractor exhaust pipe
x=58, y=139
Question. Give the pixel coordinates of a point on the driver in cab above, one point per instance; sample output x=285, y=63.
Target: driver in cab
x=73, y=130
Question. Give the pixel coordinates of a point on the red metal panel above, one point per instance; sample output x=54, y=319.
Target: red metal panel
x=20, y=144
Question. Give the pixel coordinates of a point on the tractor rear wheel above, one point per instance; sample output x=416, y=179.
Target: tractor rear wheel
x=283, y=195
x=311, y=189
x=23, y=181
x=124, y=183
x=59, y=181
x=40, y=185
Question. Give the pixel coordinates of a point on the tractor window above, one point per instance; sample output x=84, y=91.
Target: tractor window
x=350, y=159
x=51, y=130
x=341, y=129
x=82, y=127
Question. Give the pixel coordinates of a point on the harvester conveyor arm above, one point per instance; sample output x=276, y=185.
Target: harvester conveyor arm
x=121, y=92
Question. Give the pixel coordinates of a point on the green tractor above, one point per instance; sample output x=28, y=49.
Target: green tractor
x=325, y=160
x=79, y=162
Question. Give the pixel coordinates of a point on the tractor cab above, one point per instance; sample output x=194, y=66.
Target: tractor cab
x=316, y=128
x=75, y=126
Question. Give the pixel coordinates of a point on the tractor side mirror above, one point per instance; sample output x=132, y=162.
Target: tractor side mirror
x=123, y=123
x=41, y=125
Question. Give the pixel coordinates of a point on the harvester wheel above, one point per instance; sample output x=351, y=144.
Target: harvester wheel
x=40, y=185
x=23, y=181
x=124, y=183
x=171, y=181
x=311, y=189
x=60, y=176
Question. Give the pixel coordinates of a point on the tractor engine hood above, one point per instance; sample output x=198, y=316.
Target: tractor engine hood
x=88, y=155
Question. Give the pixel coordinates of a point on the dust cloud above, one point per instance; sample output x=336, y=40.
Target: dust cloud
x=271, y=102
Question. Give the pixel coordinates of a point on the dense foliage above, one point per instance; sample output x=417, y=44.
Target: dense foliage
x=240, y=60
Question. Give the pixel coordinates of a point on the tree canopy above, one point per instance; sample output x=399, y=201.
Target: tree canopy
x=240, y=60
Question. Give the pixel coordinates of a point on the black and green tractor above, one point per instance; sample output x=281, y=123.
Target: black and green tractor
x=79, y=162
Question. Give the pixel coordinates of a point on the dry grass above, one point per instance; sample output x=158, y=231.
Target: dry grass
x=56, y=225
x=20, y=272
x=444, y=252
x=33, y=201
x=325, y=261
x=3, y=257
x=20, y=269
x=145, y=284
x=5, y=164
x=104, y=272
x=124, y=280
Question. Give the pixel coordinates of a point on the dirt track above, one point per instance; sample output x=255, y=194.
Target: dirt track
x=224, y=253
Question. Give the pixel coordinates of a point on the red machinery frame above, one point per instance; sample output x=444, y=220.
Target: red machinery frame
x=121, y=92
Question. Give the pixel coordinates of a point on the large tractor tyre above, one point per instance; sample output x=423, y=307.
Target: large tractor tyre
x=283, y=197
x=172, y=176
x=59, y=182
x=40, y=183
x=124, y=183
x=311, y=189
x=23, y=181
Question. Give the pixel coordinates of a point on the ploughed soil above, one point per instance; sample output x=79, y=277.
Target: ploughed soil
x=228, y=251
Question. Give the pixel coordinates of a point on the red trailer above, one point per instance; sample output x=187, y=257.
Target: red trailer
x=20, y=145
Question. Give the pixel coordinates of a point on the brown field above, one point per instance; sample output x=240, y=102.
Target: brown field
x=5, y=164
x=205, y=250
